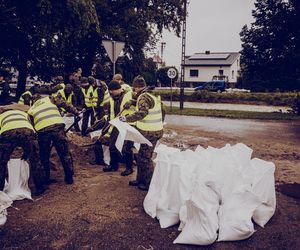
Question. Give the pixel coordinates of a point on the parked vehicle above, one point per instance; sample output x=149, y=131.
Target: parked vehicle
x=214, y=85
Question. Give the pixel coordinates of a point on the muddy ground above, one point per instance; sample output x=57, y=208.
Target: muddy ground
x=100, y=210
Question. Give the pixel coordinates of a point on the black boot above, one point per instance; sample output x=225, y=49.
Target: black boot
x=39, y=190
x=114, y=162
x=127, y=172
x=133, y=183
x=143, y=187
x=128, y=158
x=69, y=177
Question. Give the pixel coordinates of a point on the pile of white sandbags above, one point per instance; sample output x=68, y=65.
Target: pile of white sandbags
x=213, y=193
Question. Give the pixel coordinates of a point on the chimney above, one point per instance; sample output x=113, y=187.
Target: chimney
x=207, y=52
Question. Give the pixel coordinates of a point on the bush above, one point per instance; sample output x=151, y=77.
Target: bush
x=296, y=105
x=276, y=99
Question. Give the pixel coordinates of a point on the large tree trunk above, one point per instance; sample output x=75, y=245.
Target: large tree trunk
x=21, y=86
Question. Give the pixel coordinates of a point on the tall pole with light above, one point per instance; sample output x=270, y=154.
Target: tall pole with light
x=182, y=83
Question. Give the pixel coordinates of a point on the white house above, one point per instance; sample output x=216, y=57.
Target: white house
x=204, y=67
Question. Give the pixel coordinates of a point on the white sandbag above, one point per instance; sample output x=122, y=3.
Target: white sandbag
x=127, y=132
x=18, y=175
x=5, y=202
x=235, y=216
x=263, y=187
x=160, y=179
x=179, y=187
x=202, y=219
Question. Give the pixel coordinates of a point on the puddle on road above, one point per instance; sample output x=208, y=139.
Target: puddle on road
x=266, y=129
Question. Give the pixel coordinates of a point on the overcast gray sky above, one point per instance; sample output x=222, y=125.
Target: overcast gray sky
x=211, y=25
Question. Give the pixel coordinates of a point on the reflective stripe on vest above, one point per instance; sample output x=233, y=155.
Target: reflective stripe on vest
x=21, y=100
x=126, y=98
x=63, y=95
x=14, y=119
x=152, y=121
x=88, y=96
x=106, y=98
x=63, y=88
x=95, y=97
x=45, y=114
x=126, y=87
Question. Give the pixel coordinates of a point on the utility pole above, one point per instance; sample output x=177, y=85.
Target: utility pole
x=163, y=44
x=182, y=83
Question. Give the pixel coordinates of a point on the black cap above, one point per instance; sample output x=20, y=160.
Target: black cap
x=114, y=85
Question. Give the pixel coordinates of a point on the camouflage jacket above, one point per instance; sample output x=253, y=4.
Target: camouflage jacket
x=145, y=103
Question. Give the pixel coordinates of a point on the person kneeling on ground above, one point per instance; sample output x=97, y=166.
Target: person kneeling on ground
x=149, y=117
x=116, y=107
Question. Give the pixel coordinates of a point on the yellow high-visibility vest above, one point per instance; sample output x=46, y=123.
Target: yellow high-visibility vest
x=21, y=100
x=45, y=114
x=95, y=97
x=126, y=98
x=88, y=96
x=14, y=119
x=126, y=87
x=106, y=98
x=69, y=99
x=152, y=121
x=63, y=88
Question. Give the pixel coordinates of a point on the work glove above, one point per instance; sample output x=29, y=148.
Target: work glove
x=83, y=110
x=127, y=105
x=122, y=118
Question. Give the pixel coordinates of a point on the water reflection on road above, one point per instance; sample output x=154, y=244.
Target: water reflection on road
x=282, y=130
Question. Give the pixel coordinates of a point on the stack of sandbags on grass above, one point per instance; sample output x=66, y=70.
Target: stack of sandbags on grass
x=213, y=193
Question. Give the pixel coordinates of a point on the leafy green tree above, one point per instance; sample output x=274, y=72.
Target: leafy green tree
x=46, y=37
x=271, y=55
x=162, y=76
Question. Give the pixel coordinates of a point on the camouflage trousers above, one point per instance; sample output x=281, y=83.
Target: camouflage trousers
x=26, y=139
x=145, y=165
x=85, y=120
x=58, y=139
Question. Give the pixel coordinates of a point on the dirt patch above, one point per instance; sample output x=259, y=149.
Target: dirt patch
x=100, y=210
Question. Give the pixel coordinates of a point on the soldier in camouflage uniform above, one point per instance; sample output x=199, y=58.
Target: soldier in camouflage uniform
x=17, y=131
x=149, y=116
x=116, y=106
x=50, y=130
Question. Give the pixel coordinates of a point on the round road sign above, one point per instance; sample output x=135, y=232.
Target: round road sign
x=172, y=73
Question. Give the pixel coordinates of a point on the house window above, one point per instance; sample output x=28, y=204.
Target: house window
x=194, y=73
x=221, y=72
x=232, y=74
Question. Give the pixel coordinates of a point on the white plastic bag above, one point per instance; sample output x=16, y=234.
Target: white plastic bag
x=263, y=187
x=235, y=216
x=201, y=225
x=18, y=175
x=5, y=202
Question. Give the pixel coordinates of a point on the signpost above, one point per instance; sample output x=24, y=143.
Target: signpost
x=172, y=73
x=113, y=49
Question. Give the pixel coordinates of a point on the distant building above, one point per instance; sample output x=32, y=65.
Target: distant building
x=157, y=59
x=204, y=67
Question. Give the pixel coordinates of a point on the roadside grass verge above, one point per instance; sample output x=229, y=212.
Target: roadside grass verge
x=232, y=114
x=273, y=99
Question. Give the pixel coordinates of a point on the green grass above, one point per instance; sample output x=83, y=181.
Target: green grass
x=274, y=99
x=232, y=114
